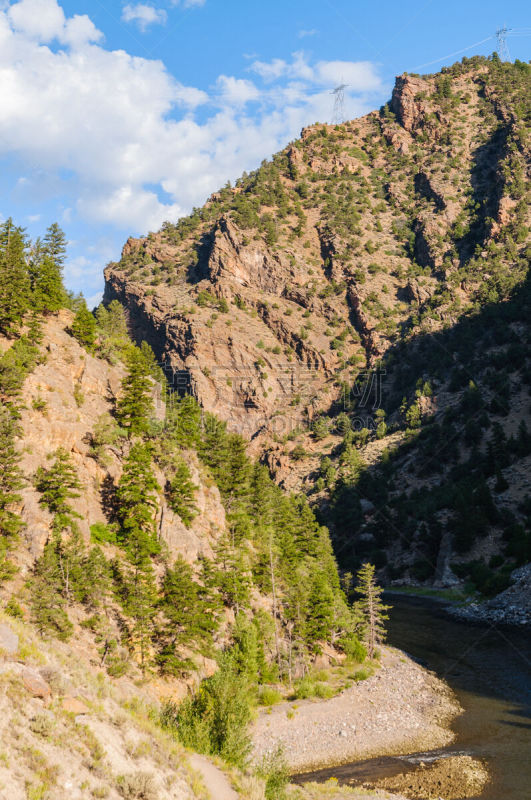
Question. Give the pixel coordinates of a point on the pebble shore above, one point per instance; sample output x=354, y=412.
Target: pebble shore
x=401, y=709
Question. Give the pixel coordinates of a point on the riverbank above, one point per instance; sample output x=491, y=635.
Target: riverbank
x=511, y=607
x=401, y=709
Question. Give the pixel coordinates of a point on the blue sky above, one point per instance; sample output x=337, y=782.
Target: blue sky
x=118, y=115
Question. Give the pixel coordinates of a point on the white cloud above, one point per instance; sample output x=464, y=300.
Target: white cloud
x=144, y=15
x=124, y=132
x=44, y=21
x=236, y=91
x=270, y=70
x=304, y=34
x=361, y=76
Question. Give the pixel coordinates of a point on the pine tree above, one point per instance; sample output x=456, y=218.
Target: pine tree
x=10, y=482
x=96, y=587
x=135, y=407
x=140, y=602
x=48, y=291
x=319, y=611
x=188, y=617
x=14, y=277
x=48, y=603
x=137, y=502
x=84, y=326
x=371, y=608
x=232, y=575
x=10, y=474
x=55, y=245
x=57, y=486
x=183, y=421
x=181, y=493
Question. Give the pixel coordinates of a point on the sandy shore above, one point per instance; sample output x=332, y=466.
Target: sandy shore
x=401, y=709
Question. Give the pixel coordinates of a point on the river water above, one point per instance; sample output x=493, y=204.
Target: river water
x=489, y=669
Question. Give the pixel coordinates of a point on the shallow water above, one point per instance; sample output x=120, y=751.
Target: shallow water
x=489, y=668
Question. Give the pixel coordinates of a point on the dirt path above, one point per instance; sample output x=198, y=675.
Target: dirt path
x=214, y=779
x=401, y=709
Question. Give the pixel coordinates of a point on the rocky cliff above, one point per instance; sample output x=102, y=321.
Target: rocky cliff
x=351, y=239
x=62, y=401
x=369, y=269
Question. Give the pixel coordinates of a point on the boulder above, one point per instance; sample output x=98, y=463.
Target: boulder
x=74, y=705
x=35, y=684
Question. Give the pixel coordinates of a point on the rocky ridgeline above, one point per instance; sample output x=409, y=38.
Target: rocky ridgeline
x=282, y=288
x=372, y=243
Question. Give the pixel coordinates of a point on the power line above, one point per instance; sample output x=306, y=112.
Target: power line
x=338, y=116
x=501, y=38
x=451, y=55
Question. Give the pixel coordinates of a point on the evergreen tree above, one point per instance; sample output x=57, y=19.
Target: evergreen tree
x=114, y=340
x=140, y=602
x=181, y=493
x=10, y=483
x=57, y=486
x=183, y=421
x=137, y=503
x=232, y=575
x=371, y=608
x=319, y=611
x=55, y=245
x=48, y=603
x=14, y=277
x=84, y=326
x=96, y=585
x=10, y=474
x=188, y=617
x=135, y=407
x=48, y=290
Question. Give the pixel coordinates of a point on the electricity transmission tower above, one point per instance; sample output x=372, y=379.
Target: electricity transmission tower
x=339, y=104
x=501, y=37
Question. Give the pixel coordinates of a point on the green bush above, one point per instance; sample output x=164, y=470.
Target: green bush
x=362, y=674
x=323, y=690
x=100, y=533
x=354, y=649
x=214, y=721
x=274, y=770
x=267, y=696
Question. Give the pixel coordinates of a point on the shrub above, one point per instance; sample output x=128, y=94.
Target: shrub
x=354, y=649
x=323, y=690
x=268, y=696
x=42, y=724
x=100, y=533
x=362, y=674
x=214, y=721
x=138, y=786
x=274, y=770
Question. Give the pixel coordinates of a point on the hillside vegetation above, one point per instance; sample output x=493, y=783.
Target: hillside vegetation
x=140, y=546
x=358, y=308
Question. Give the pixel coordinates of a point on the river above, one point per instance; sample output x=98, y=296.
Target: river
x=489, y=669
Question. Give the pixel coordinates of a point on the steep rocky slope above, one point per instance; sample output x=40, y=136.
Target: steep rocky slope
x=79, y=717
x=62, y=401
x=377, y=266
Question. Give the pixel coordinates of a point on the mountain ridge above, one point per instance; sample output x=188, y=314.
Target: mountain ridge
x=285, y=297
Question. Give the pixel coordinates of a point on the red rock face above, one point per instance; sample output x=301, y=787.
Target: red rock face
x=281, y=290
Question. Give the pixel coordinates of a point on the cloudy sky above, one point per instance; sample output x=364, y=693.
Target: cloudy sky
x=115, y=116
